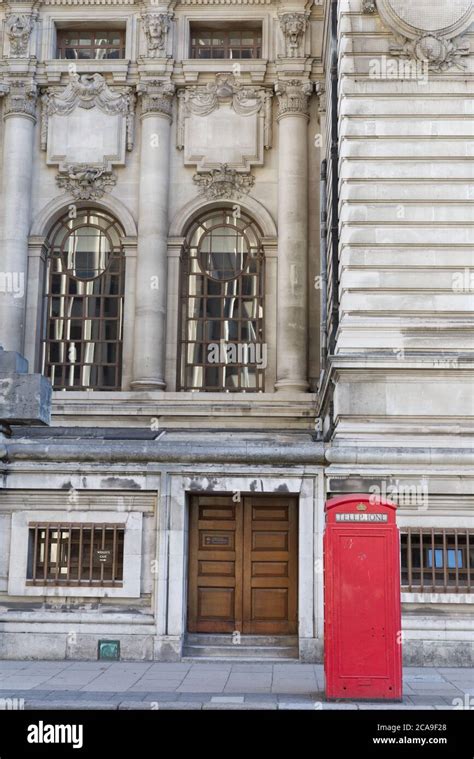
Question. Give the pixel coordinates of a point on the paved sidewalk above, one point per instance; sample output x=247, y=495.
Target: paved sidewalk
x=216, y=685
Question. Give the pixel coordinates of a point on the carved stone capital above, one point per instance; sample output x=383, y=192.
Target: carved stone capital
x=86, y=182
x=157, y=27
x=21, y=100
x=18, y=28
x=156, y=98
x=224, y=183
x=293, y=26
x=293, y=97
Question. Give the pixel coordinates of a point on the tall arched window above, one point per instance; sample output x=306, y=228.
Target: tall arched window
x=222, y=305
x=84, y=303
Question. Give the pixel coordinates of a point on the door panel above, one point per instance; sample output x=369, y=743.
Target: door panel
x=215, y=596
x=270, y=566
x=243, y=565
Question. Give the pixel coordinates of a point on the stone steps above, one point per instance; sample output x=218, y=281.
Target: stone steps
x=250, y=647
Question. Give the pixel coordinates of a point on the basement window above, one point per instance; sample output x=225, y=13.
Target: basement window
x=77, y=555
x=437, y=561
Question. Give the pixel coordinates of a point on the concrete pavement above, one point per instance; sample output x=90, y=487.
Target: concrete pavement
x=206, y=685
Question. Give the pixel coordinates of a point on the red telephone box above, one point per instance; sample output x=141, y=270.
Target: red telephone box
x=362, y=617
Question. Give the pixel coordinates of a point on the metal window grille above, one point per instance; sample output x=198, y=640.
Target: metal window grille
x=82, y=346
x=238, y=45
x=90, y=45
x=437, y=560
x=76, y=554
x=222, y=344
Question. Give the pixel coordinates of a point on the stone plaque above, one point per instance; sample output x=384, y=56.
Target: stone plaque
x=412, y=18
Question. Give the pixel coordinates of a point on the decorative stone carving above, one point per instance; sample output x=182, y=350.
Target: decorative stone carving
x=440, y=53
x=87, y=106
x=20, y=99
x=156, y=97
x=18, y=29
x=429, y=32
x=86, y=92
x=157, y=27
x=320, y=89
x=238, y=124
x=368, y=6
x=86, y=182
x=224, y=182
x=293, y=26
x=293, y=97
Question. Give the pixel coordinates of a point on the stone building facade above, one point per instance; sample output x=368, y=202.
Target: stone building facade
x=237, y=239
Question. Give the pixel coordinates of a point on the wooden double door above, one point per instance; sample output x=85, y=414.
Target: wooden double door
x=243, y=562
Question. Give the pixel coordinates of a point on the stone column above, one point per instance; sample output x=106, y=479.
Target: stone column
x=292, y=319
x=19, y=122
x=151, y=287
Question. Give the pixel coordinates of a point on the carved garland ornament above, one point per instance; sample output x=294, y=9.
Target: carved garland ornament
x=88, y=91
x=18, y=29
x=85, y=182
x=429, y=32
x=224, y=183
x=438, y=52
x=246, y=101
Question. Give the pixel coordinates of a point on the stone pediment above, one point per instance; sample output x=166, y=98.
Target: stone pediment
x=87, y=122
x=224, y=122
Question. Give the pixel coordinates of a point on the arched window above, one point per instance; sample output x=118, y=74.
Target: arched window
x=84, y=303
x=222, y=305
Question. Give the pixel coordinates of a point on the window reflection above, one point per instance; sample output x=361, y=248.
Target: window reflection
x=222, y=306
x=84, y=303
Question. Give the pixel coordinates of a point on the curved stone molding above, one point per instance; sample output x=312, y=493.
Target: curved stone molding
x=293, y=26
x=18, y=28
x=183, y=218
x=156, y=97
x=20, y=100
x=157, y=27
x=429, y=32
x=224, y=182
x=88, y=91
x=293, y=97
x=86, y=182
x=56, y=208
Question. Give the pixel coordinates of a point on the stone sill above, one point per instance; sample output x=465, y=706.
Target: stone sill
x=437, y=598
x=56, y=68
x=255, y=69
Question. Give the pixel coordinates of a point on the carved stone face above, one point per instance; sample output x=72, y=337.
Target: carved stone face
x=294, y=29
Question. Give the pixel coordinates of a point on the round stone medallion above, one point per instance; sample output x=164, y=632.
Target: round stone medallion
x=415, y=17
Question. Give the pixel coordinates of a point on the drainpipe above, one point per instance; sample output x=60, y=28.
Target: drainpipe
x=334, y=180
x=323, y=264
